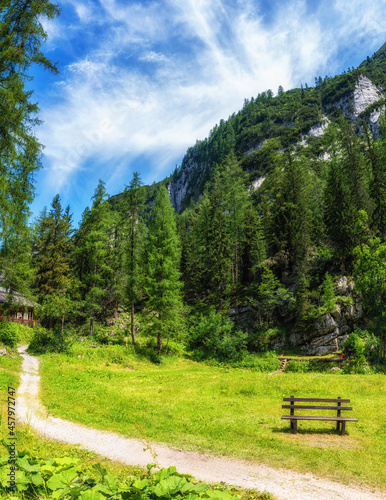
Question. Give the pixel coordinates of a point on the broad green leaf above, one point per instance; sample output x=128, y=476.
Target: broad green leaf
x=169, y=486
x=68, y=461
x=48, y=468
x=22, y=481
x=23, y=464
x=92, y=495
x=60, y=493
x=194, y=488
x=111, y=482
x=140, y=485
x=37, y=479
x=62, y=479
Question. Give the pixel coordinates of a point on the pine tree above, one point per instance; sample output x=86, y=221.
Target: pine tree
x=163, y=256
x=21, y=36
x=340, y=208
x=134, y=232
x=93, y=251
x=376, y=154
x=290, y=214
x=219, y=247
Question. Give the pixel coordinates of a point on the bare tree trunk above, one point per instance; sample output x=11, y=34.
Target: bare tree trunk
x=159, y=339
x=132, y=322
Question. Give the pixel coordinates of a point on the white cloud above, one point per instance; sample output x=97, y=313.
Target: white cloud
x=115, y=106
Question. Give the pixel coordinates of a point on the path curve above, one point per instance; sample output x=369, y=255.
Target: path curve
x=284, y=484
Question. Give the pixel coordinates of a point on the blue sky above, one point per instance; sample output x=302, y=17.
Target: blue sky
x=141, y=81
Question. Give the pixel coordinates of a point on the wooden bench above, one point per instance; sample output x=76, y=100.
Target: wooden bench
x=340, y=421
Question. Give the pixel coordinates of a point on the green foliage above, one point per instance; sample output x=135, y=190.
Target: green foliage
x=21, y=38
x=55, y=340
x=95, y=258
x=8, y=334
x=360, y=347
x=132, y=210
x=64, y=478
x=163, y=285
x=214, y=336
x=271, y=296
x=297, y=366
x=260, y=340
x=12, y=333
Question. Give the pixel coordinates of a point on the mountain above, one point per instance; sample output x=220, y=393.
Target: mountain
x=282, y=213
x=298, y=118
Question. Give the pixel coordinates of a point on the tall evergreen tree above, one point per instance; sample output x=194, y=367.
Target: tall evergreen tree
x=376, y=154
x=21, y=36
x=94, y=244
x=289, y=217
x=52, y=255
x=134, y=230
x=163, y=256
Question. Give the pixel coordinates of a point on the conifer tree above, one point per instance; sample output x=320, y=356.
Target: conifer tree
x=21, y=36
x=94, y=244
x=237, y=202
x=134, y=230
x=340, y=210
x=219, y=247
x=163, y=256
x=255, y=251
x=376, y=154
x=54, y=282
x=290, y=214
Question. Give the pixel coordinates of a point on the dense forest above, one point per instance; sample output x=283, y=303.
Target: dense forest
x=273, y=216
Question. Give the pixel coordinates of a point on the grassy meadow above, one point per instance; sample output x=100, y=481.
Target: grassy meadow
x=226, y=411
x=90, y=463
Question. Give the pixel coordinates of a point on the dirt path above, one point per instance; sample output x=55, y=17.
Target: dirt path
x=284, y=484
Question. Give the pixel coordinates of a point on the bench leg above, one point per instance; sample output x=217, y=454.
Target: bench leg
x=295, y=426
x=343, y=428
x=337, y=425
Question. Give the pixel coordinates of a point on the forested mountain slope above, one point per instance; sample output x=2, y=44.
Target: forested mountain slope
x=277, y=238
x=297, y=117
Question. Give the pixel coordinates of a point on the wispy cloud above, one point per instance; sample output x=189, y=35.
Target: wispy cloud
x=159, y=75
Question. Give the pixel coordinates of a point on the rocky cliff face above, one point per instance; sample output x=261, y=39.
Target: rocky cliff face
x=365, y=94
x=183, y=188
x=330, y=330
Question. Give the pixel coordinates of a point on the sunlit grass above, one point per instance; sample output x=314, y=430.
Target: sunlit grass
x=225, y=411
x=37, y=446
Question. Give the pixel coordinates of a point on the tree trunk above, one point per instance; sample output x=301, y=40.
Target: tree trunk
x=132, y=322
x=91, y=327
x=159, y=339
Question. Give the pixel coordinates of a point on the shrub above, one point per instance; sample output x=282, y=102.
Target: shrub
x=267, y=362
x=297, y=366
x=215, y=336
x=355, y=348
x=8, y=333
x=50, y=340
x=261, y=340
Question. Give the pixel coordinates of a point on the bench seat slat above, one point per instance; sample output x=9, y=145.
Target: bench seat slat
x=317, y=400
x=321, y=407
x=303, y=417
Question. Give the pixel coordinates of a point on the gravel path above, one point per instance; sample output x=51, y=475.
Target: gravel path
x=284, y=484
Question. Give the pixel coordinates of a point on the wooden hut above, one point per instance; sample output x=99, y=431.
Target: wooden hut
x=16, y=308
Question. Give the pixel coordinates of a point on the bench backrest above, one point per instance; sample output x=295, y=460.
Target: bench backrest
x=337, y=407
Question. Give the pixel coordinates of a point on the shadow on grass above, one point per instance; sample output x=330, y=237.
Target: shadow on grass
x=318, y=431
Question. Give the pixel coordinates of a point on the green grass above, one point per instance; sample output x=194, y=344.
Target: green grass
x=37, y=446
x=233, y=412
